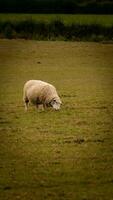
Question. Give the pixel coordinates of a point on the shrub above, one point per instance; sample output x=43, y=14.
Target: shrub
x=31, y=29
x=8, y=31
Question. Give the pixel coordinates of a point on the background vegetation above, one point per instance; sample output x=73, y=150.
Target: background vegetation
x=60, y=27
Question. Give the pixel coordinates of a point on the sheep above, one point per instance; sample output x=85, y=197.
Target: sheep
x=38, y=92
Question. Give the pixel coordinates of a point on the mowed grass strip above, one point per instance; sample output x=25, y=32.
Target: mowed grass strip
x=106, y=20
x=57, y=155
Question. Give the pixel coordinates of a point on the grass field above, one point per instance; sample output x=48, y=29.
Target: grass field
x=64, y=155
x=106, y=20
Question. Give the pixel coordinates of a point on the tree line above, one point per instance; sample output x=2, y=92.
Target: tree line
x=57, y=6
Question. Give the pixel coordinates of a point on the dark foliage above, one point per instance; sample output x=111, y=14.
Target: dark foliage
x=55, y=30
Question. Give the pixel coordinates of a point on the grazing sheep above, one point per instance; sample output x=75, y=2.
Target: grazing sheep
x=39, y=92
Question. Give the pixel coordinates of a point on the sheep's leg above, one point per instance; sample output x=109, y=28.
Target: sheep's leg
x=40, y=106
x=37, y=106
x=26, y=106
x=26, y=103
x=44, y=106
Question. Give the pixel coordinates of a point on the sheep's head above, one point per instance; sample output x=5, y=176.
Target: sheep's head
x=56, y=103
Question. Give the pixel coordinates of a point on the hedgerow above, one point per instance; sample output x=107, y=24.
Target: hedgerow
x=55, y=30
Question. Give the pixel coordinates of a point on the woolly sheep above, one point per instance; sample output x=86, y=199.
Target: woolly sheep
x=39, y=92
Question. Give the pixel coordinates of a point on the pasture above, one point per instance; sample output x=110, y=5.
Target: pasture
x=64, y=155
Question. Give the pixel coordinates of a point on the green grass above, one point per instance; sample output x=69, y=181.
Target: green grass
x=106, y=20
x=63, y=155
